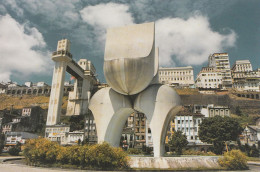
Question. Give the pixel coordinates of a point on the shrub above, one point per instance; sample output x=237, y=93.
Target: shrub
x=106, y=157
x=193, y=152
x=234, y=160
x=14, y=151
x=147, y=150
x=100, y=156
x=134, y=151
x=41, y=151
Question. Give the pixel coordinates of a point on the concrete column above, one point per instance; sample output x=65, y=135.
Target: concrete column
x=55, y=103
x=84, y=96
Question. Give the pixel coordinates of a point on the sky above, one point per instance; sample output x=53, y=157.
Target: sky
x=186, y=32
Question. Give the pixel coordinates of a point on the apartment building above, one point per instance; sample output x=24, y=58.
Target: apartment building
x=244, y=78
x=220, y=61
x=209, y=78
x=189, y=125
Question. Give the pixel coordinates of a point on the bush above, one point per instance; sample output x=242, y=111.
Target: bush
x=14, y=151
x=100, y=156
x=134, y=151
x=106, y=157
x=234, y=160
x=193, y=152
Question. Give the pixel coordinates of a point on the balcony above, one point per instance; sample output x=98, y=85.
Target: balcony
x=62, y=53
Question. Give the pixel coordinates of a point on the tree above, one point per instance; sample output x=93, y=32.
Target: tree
x=178, y=141
x=238, y=111
x=217, y=130
x=15, y=150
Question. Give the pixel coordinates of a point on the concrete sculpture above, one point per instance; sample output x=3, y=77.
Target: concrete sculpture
x=130, y=68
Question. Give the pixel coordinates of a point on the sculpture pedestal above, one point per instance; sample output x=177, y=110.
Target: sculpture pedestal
x=175, y=162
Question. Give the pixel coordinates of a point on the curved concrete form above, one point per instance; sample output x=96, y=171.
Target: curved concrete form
x=129, y=58
x=159, y=103
x=130, y=66
x=110, y=110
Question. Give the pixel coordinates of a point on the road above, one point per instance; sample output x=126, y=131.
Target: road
x=18, y=166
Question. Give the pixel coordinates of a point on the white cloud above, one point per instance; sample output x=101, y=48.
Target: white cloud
x=21, y=52
x=59, y=13
x=107, y=15
x=189, y=41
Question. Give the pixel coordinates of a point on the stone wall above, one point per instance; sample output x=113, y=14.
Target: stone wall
x=175, y=162
x=222, y=100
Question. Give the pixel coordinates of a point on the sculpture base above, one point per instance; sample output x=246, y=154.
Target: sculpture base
x=196, y=162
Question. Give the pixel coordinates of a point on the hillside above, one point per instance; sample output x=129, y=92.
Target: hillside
x=19, y=102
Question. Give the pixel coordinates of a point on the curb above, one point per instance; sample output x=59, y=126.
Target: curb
x=10, y=159
x=253, y=163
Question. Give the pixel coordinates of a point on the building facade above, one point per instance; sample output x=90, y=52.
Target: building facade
x=135, y=131
x=209, y=78
x=177, y=76
x=250, y=135
x=189, y=125
x=220, y=61
x=57, y=133
x=244, y=78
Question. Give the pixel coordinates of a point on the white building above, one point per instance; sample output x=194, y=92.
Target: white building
x=57, y=133
x=12, y=138
x=209, y=78
x=220, y=61
x=244, y=78
x=189, y=125
x=28, y=84
x=242, y=66
x=74, y=137
x=41, y=84
x=211, y=110
x=177, y=76
x=250, y=135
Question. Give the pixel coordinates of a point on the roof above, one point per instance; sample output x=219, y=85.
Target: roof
x=25, y=135
x=176, y=68
x=253, y=127
x=242, y=61
x=187, y=112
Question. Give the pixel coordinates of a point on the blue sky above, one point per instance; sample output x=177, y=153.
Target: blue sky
x=187, y=31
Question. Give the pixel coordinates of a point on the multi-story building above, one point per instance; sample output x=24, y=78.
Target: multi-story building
x=244, y=78
x=177, y=76
x=188, y=123
x=250, y=135
x=57, y=133
x=220, y=61
x=242, y=66
x=91, y=132
x=135, y=131
x=209, y=78
x=211, y=110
